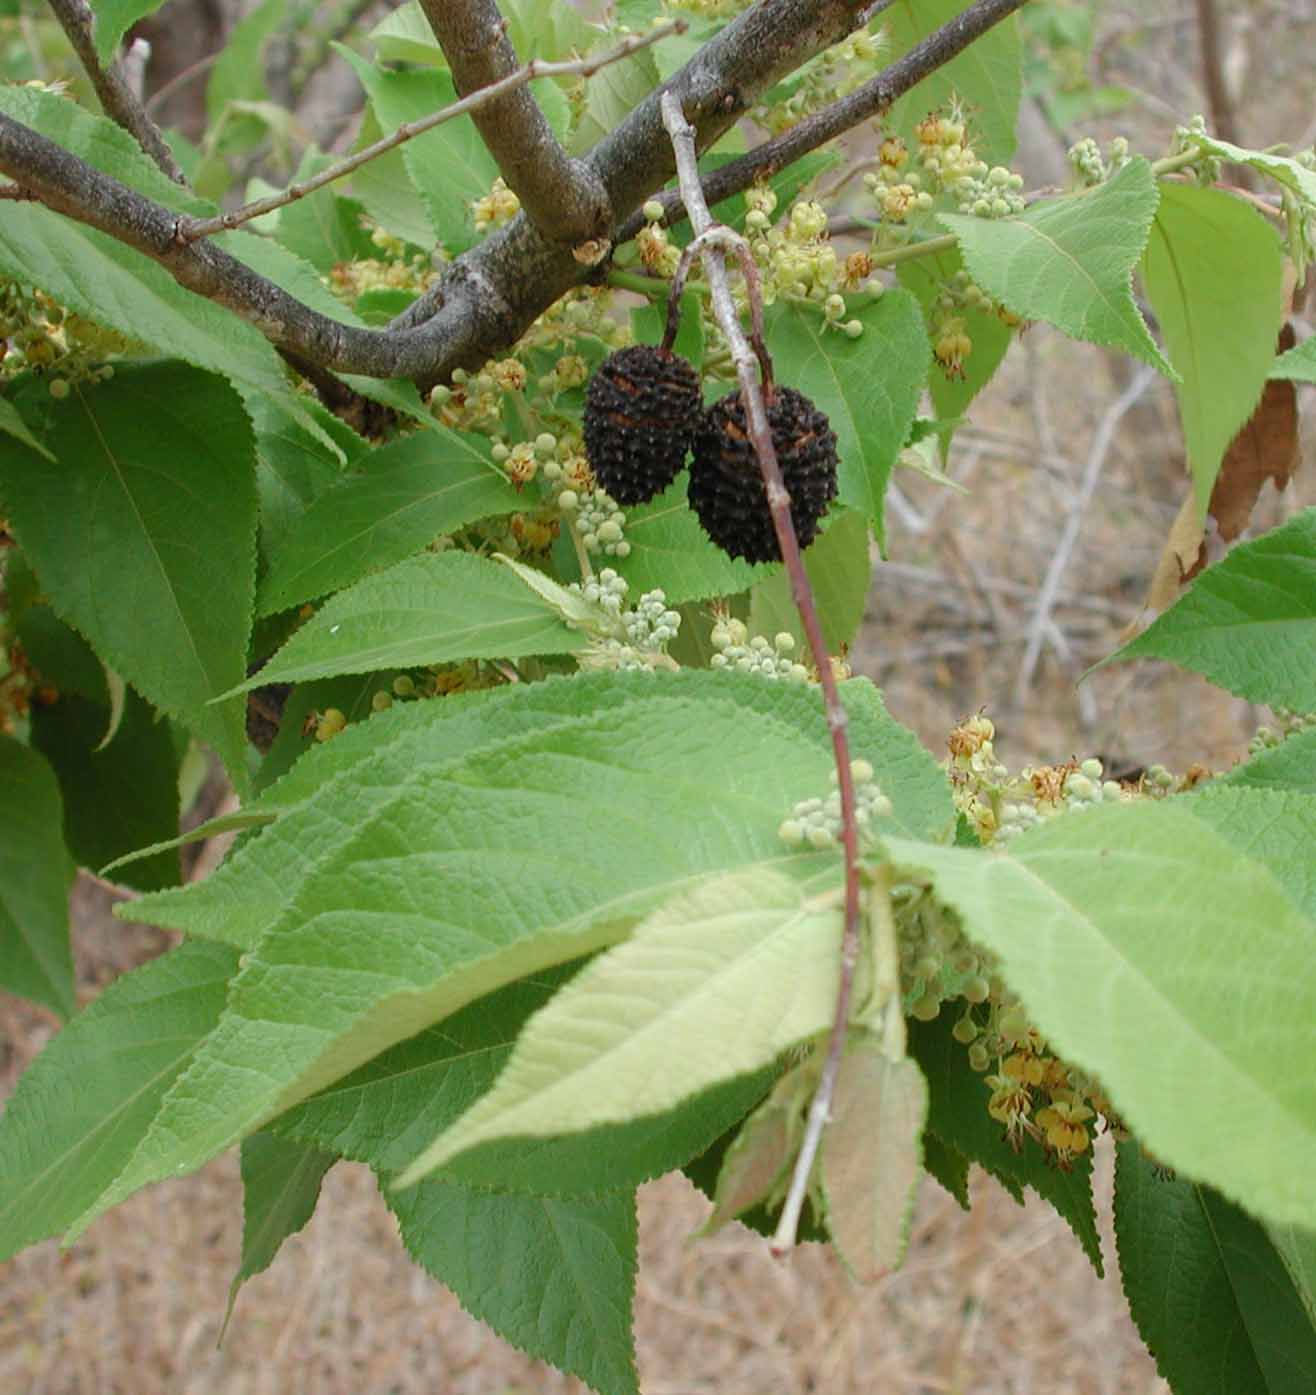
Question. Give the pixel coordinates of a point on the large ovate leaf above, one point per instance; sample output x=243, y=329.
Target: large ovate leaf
x=384, y=1113
x=336, y=787
x=432, y=609
x=1212, y=269
x=424, y=876
x=951, y=392
x=1276, y=827
x=386, y=192
x=871, y=1159
x=450, y=165
x=1249, y=622
x=554, y=1277
x=120, y=794
x=670, y=551
x=715, y=985
x=36, y=873
x=409, y=493
x=958, y=1118
x=280, y=1187
x=985, y=79
x=144, y=534
x=92, y=273
x=84, y=1103
x=1069, y=261
x=839, y=568
x=868, y=387
x=1120, y=928
x=1210, y=1295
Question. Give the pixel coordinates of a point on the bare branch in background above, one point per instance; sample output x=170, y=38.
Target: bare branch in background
x=120, y=103
x=193, y=228
x=564, y=198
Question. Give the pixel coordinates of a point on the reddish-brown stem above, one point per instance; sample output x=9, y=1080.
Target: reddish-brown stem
x=751, y=389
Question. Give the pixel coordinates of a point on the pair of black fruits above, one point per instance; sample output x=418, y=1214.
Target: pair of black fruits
x=644, y=412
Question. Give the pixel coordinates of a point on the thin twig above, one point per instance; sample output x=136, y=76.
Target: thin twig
x=192, y=229
x=1050, y=588
x=120, y=103
x=751, y=390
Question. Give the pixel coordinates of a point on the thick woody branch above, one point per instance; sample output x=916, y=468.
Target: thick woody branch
x=117, y=99
x=491, y=294
x=747, y=360
x=873, y=98
x=564, y=198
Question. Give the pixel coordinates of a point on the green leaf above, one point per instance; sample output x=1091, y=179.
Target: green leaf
x=93, y=274
x=1069, y=261
x=1291, y=175
x=239, y=72
x=957, y=1116
x=1249, y=622
x=948, y=1166
x=284, y=268
x=1212, y=269
x=839, y=569
x=101, y=143
x=1210, y=1295
x=386, y=192
x=555, y=1278
x=671, y=551
x=1120, y=930
x=951, y=396
x=117, y=798
x=450, y=165
x=760, y=1155
x=869, y=387
x=60, y=657
x=369, y=765
x=985, y=77
x=324, y=228
x=1275, y=827
x=280, y=1186
x=36, y=873
x=113, y=20
x=405, y=36
x=84, y=1103
x=871, y=1158
x=12, y=424
x=144, y=534
x=1299, y=363
x=483, y=828
x=611, y=94
x=432, y=609
x=1297, y=1249
x=408, y=494
x=1289, y=766
x=715, y=985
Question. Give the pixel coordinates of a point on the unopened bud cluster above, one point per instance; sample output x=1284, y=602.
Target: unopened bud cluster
x=737, y=650
x=816, y=823
x=1206, y=168
x=1287, y=723
x=628, y=639
x=40, y=335
x=500, y=205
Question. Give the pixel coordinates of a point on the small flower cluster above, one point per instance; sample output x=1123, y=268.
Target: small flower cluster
x=950, y=164
x=640, y=635
x=1041, y=793
x=951, y=343
x=500, y=205
x=817, y=822
x=599, y=522
x=834, y=73
x=651, y=625
x=474, y=401
x=395, y=269
x=1092, y=168
x=521, y=462
x=657, y=251
x=1206, y=168
x=38, y=334
x=797, y=259
x=1287, y=723
x=769, y=659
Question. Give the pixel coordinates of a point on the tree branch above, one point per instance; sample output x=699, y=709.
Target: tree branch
x=752, y=394
x=117, y=99
x=869, y=100
x=492, y=293
x=564, y=198
x=192, y=229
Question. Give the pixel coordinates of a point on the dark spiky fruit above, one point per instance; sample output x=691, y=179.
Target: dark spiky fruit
x=641, y=410
x=726, y=488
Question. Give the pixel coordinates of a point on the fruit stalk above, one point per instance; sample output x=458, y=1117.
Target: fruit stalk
x=714, y=264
